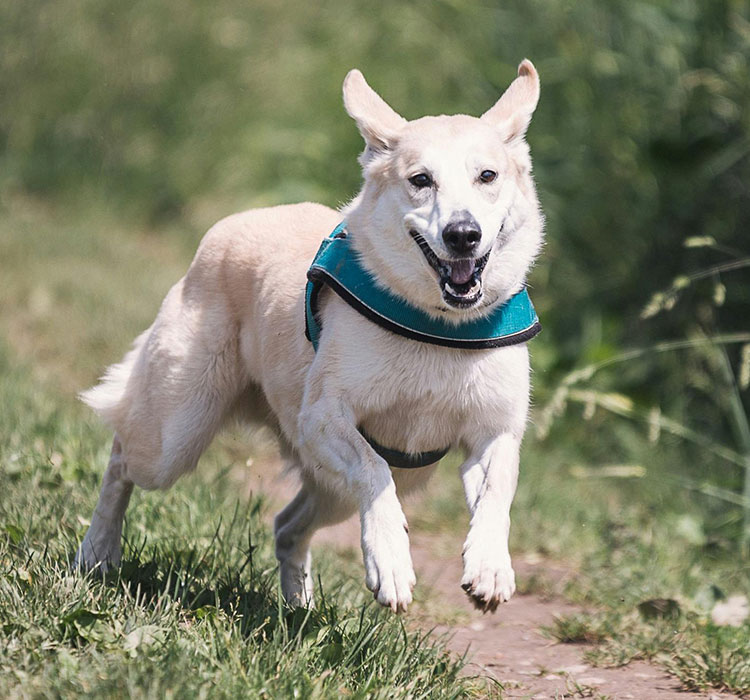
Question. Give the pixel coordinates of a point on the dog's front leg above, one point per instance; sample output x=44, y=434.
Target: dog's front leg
x=345, y=463
x=490, y=476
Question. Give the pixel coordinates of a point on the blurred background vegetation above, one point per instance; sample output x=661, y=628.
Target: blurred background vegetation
x=126, y=129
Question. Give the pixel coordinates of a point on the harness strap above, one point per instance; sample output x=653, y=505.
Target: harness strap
x=405, y=460
x=336, y=265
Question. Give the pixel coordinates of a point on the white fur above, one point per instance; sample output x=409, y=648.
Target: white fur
x=229, y=338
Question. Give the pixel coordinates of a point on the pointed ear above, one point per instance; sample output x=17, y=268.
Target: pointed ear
x=512, y=112
x=376, y=121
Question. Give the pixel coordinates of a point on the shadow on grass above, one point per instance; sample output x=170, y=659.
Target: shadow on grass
x=203, y=581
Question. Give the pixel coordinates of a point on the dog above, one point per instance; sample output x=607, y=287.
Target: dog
x=448, y=223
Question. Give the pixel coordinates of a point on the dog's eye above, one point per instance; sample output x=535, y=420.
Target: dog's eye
x=487, y=176
x=421, y=180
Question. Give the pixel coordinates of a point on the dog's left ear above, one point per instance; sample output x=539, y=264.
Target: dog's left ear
x=512, y=112
x=378, y=123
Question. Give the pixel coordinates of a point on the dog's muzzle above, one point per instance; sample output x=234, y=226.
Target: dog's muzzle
x=460, y=279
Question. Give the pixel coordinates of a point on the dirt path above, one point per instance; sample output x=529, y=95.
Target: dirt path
x=507, y=645
x=510, y=646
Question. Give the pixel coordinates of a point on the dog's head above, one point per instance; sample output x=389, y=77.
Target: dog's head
x=448, y=216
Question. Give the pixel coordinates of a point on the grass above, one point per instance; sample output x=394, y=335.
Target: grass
x=716, y=660
x=700, y=654
x=196, y=610
x=623, y=622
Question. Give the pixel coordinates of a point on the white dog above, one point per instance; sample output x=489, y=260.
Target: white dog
x=444, y=231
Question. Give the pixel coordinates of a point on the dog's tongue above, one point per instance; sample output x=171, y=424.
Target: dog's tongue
x=462, y=271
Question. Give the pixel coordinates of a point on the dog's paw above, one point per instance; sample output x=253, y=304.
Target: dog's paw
x=296, y=582
x=100, y=553
x=488, y=576
x=388, y=568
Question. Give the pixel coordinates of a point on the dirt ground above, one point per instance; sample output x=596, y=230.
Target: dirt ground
x=510, y=646
x=507, y=645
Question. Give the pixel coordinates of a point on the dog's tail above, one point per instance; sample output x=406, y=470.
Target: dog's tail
x=106, y=398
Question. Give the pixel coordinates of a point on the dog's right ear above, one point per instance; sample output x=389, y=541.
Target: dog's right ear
x=378, y=123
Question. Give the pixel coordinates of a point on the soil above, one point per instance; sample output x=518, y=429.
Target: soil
x=508, y=645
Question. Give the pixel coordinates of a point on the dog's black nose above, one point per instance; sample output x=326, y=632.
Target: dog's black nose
x=462, y=236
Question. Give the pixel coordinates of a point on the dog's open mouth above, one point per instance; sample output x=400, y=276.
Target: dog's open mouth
x=460, y=279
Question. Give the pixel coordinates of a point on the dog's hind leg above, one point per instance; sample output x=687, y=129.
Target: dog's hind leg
x=294, y=527
x=101, y=546
x=165, y=402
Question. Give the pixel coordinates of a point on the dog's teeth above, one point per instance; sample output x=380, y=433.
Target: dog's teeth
x=470, y=292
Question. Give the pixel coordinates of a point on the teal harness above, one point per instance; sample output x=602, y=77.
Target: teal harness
x=337, y=266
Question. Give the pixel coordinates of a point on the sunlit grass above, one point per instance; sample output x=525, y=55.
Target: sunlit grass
x=195, y=607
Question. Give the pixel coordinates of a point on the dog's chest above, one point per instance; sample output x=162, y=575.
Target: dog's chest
x=416, y=397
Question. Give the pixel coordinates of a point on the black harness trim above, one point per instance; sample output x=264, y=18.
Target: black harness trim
x=405, y=460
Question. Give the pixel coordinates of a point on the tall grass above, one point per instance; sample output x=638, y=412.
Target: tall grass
x=709, y=346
